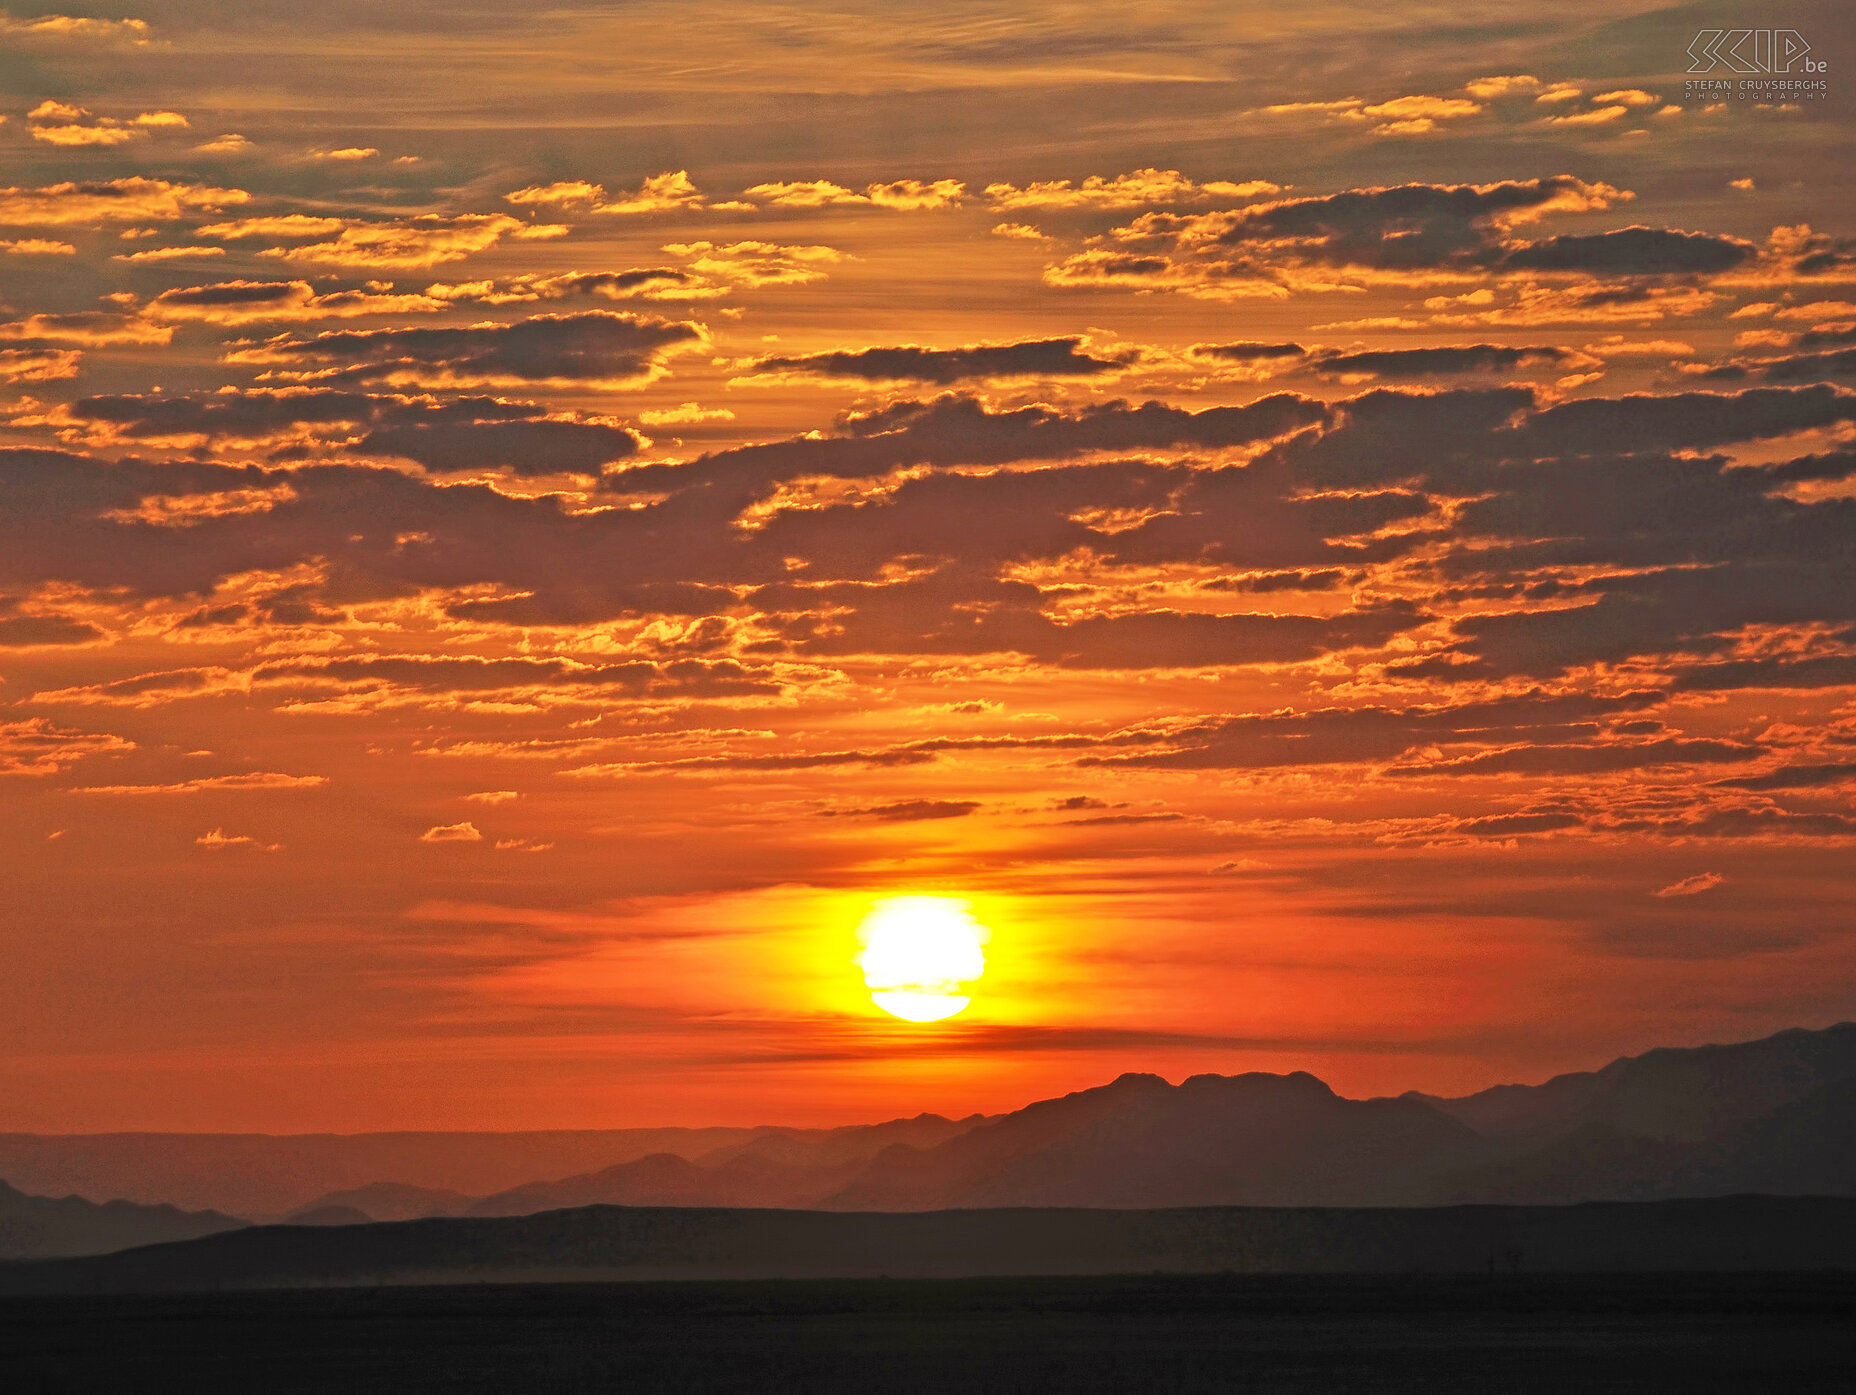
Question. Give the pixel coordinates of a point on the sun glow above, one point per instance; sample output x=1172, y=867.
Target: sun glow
x=919, y=953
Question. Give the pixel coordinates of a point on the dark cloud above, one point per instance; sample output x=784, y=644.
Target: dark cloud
x=1589, y=759
x=1834, y=363
x=468, y=673
x=234, y=293
x=911, y=810
x=1430, y=363
x=1680, y=421
x=1509, y=825
x=526, y=447
x=1348, y=735
x=1634, y=250
x=466, y=433
x=1797, y=777
x=594, y=346
x=1031, y=358
x=1246, y=351
x=26, y=631
x=1408, y=227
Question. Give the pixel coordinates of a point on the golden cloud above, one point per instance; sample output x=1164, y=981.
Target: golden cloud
x=131, y=200
x=417, y=242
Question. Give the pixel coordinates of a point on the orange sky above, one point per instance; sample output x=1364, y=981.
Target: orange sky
x=1334, y=532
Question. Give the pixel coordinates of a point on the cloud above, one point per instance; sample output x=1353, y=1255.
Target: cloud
x=1413, y=115
x=1589, y=759
x=1601, y=116
x=756, y=264
x=1489, y=88
x=639, y=283
x=1403, y=233
x=255, y=780
x=51, y=29
x=415, y=243
x=917, y=194
x=38, y=365
x=1141, y=187
x=594, y=347
x=170, y=254
x=129, y=200
x=36, y=247
x=218, y=840
x=34, y=631
x=661, y=193
x=908, y=194
x=492, y=796
x=1368, y=735
x=250, y=302
x=1692, y=886
x=684, y=414
x=57, y=123
x=1635, y=250
x=910, y=810
x=1799, y=777
x=1438, y=362
x=810, y=193
x=465, y=832
x=1246, y=351
x=535, y=447
x=561, y=194
x=35, y=747
x=462, y=434
x=1033, y=358
x=273, y=225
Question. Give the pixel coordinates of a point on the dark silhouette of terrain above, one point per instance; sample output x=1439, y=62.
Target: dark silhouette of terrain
x=35, y=1226
x=1684, y=1094
x=1776, y=1116
x=1243, y=1140
x=1521, y=1334
x=266, y=1176
x=1735, y=1234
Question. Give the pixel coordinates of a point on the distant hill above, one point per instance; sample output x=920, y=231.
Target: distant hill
x=781, y=1168
x=387, y=1201
x=609, y=1242
x=35, y=1226
x=1243, y=1140
x=270, y=1176
x=1684, y=1094
x=1775, y=1116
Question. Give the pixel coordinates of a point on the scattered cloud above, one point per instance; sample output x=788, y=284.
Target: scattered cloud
x=465, y=832
x=218, y=840
x=1692, y=886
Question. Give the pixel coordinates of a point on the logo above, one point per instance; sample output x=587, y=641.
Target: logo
x=1752, y=51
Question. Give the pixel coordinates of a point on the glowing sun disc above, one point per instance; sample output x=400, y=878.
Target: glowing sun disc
x=918, y=954
x=919, y=1007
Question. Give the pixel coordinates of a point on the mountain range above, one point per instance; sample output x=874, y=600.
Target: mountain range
x=1775, y=1116
x=33, y=1227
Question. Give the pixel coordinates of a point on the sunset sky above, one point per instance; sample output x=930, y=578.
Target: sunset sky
x=1329, y=526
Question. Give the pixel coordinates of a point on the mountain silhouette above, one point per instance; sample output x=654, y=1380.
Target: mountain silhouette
x=1775, y=1116
x=778, y=1168
x=1243, y=1140
x=1677, y=1093
x=35, y=1226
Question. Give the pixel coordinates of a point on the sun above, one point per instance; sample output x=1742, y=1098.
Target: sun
x=918, y=954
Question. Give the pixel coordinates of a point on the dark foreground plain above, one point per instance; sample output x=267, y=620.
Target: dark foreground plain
x=1506, y=1332
x=600, y=1244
